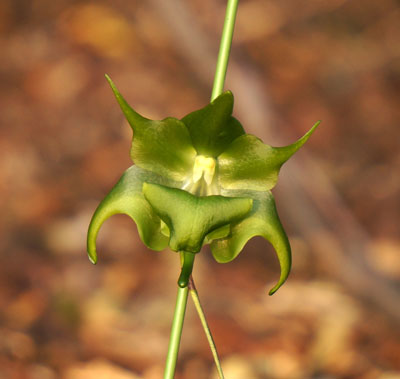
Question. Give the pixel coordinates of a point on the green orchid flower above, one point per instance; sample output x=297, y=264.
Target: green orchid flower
x=199, y=180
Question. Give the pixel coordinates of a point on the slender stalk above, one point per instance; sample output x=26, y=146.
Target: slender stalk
x=196, y=300
x=224, y=48
x=181, y=300
x=218, y=87
x=176, y=332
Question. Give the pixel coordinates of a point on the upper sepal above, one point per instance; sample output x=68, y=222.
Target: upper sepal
x=191, y=218
x=213, y=128
x=250, y=164
x=127, y=198
x=263, y=220
x=163, y=147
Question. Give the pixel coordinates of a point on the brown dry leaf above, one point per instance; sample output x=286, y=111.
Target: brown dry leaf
x=101, y=28
x=38, y=371
x=18, y=345
x=384, y=256
x=121, y=280
x=25, y=309
x=57, y=83
x=257, y=20
x=110, y=330
x=389, y=375
x=98, y=369
x=237, y=367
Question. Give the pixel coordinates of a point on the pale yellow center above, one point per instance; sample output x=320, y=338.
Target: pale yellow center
x=204, y=167
x=201, y=181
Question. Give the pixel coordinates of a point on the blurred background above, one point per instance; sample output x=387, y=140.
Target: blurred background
x=64, y=143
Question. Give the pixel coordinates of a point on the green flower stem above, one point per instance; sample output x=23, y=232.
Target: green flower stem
x=186, y=271
x=176, y=332
x=181, y=301
x=218, y=87
x=224, y=48
x=199, y=309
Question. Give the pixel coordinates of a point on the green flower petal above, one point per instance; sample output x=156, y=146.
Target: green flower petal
x=262, y=221
x=221, y=232
x=126, y=198
x=163, y=147
x=190, y=218
x=248, y=163
x=213, y=128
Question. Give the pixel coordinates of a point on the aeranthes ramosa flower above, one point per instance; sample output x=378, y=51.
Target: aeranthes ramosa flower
x=199, y=180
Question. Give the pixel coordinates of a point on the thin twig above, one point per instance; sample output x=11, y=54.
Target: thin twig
x=200, y=312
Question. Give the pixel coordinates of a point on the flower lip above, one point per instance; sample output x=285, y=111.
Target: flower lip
x=191, y=218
